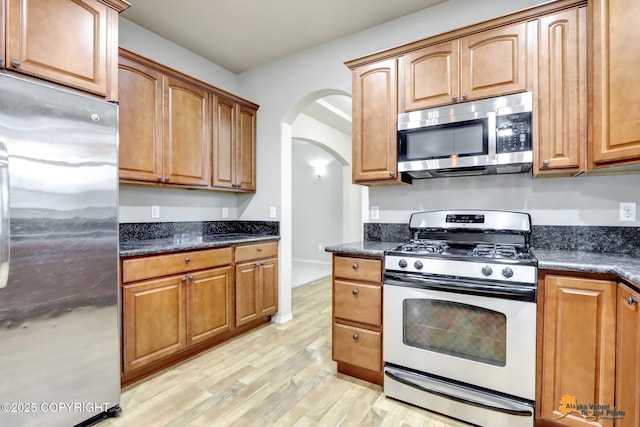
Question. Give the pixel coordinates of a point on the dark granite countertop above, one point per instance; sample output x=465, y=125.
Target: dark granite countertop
x=371, y=248
x=129, y=248
x=626, y=267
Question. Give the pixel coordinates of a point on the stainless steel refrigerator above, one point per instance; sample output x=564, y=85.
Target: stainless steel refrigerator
x=59, y=339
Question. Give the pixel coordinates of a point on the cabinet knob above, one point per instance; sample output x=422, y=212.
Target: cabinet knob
x=545, y=163
x=259, y=249
x=454, y=98
x=184, y=279
x=191, y=277
x=390, y=173
x=258, y=264
x=187, y=259
x=354, y=266
x=631, y=301
x=15, y=63
x=166, y=178
x=464, y=96
x=355, y=292
x=355, y=337
x=159, y=179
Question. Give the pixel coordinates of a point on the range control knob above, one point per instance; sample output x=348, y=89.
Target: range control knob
x=402, y=263
x=507, y=272
x=487, y=271
x=418, y=265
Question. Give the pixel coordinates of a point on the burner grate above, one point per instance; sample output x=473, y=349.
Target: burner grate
x=425, y=246
x=495, y=251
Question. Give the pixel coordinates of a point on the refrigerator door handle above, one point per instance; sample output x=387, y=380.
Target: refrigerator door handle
x=5, y=222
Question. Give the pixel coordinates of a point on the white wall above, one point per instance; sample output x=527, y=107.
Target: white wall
x=316, y=203
x=587, y=200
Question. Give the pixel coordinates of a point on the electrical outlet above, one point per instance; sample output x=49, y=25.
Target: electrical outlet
x=375, y=212
x=320, y=246
x=628, y=211
x=225, y=212
x=155, y=211
x=272, y=212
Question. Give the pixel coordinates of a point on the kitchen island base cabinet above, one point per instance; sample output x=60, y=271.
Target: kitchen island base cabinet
x=357, y=317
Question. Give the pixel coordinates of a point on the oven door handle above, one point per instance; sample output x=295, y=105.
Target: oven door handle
x=498, y=290
x=481, y=400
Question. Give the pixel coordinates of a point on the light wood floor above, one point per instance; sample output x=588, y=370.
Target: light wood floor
x=277, y=375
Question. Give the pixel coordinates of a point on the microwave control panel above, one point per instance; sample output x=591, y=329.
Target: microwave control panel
x=513, y=133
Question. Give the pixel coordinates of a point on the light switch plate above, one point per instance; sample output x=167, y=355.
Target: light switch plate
x=155, y=211
x=225, y=212
x=375, y=212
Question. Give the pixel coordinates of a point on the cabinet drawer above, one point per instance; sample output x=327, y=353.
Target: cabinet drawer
x=360, y=269
x=357, y=346
x=164, y=265
x=357, y=302
x=257, y=251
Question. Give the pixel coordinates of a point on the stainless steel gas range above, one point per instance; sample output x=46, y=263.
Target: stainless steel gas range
x=460, y=317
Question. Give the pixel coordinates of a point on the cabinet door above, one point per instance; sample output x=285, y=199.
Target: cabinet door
x=3, y=14
x=628, y=357
x=431, y=76
x=247, y=298
x=268, y=283
x=494, y=62
x=224, y=134
x=209, y=302
x=246, y=149
x=62, y=41
x=375, y=117
x=186, y=133
x=140, y=126
x=154, y=319
x=614, y=136
x=562, y=106
x=578, y=345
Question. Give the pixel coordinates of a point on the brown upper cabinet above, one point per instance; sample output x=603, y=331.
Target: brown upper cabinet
x=375, y=118
x=560, y=115
x=40, y=36
x=234, y=146
x=177, y=131
x=164, y=133
x=489, y=63
x=614, y=94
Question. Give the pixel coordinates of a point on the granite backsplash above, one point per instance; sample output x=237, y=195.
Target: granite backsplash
x=609, y=240
x=160, y=230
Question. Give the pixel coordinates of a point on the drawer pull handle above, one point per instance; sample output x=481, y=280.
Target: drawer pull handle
x=355, y=266
x=355, y=292
x=355, y=337
x=187, y=259
x=632, y=301
x=259, y=249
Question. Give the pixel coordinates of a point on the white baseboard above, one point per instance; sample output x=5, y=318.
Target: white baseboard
x=311, y=261
x=282, y=319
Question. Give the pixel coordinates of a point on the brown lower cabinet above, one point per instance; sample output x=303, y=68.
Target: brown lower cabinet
x=357, y=316
x=176, y=305
x=588, y=348
x=256, y=281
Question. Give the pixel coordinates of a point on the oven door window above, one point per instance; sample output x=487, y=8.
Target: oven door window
x=461, y=330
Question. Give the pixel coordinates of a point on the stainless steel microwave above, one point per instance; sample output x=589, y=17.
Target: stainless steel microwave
x=483, y=137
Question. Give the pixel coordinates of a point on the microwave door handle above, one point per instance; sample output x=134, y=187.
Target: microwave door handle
x=491, y=135
x=5, y=222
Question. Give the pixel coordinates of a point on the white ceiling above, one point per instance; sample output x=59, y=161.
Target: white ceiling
x=243, y=34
